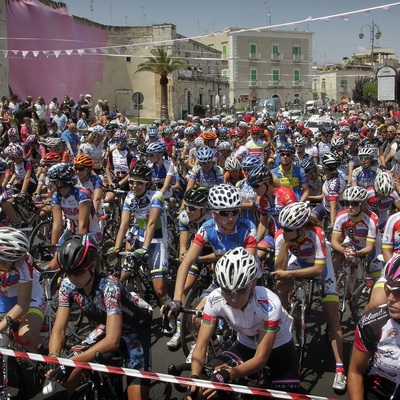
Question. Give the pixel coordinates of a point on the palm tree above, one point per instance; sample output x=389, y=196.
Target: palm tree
x=162, y=64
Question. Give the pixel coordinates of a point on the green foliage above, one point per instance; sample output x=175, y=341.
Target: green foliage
x=370, y=92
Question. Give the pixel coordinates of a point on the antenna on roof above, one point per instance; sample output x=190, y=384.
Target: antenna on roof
x=91, y=8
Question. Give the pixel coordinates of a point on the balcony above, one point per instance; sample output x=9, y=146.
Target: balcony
x=297, y=57
x=254, y=84
x=297, y=83
x=254, y=56
x=343, y=89
x=276, y=56
x=274, y=83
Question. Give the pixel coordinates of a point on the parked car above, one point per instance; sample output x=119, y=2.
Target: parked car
x=315, y=123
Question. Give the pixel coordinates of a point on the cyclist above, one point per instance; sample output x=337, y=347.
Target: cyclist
x=147, y=206
x=272, y=198
x=169, y=141
x=365, y=174
x=382, y=197
x=94, y=147
x=346, y=166
x=374, y=143
x=123, y=319
x=373, y=371
x=233, y=171
x=83, y=165
x=225, y=151
x=75, y=203
x=290, y=175
x=356, y=233
x=163, y=170
x=21, y=294
x=57, y=145
x=332, y=190
x=263, y=328
x=255, y=144
x=206, y=174
x=314, y=180
x=301, y=252
x=190, y=219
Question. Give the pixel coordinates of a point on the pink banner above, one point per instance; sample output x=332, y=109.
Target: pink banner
x=56, y=54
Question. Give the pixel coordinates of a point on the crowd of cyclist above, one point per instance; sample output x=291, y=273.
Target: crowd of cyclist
x=248, y=186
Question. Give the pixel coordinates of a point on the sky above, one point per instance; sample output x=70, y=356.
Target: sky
x=332, y=40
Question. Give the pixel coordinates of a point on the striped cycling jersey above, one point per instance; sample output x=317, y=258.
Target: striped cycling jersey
x=391, y=234
x=365, y=177
x=381, y=206
x=293, y=179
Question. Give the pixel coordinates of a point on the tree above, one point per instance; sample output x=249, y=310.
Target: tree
x=358, y=89
x=370, y=92
x=163, y=64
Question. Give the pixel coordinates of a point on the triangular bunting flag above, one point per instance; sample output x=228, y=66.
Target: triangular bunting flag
x=117, y=49
x=81, y=52
x=35, y=53
x=15, y=51
x=5, y=53
x=57, y=53
x=24, y=53
x=69, y=52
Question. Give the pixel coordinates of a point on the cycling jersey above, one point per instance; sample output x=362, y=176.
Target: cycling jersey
x=256, y=148
x=244, y=235
x=391, y=234
x=343, y=168
x=309, y=251
x=120, y=161
x=21, y=169
x=168, y=145
x=185, y=225
x=281, y=197
x=312, y=151
x=263, y=312
x=9, y=280
x=93, y=151
x=241, y=152
x=333, y=191
x=109, y=297
x=213, y=178
x=294, y=179
x=381, y=206
x=160, y=173
x=358, y=231
x=94, y=182
x=323, y=148
x=365, y=177
x=377, y=333
x=248, y=193
x=140, y=209
x=70, y=207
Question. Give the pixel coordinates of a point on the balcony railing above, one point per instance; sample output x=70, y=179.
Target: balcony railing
x=297, y=57
x=254, y=83
x=254, y=56
x=276, y=56
x=298, y=83
x=274, y=83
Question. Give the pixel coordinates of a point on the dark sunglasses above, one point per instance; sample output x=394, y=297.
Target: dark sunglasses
x=120, y=140
x=80, y=169
x=235, y=292
x=365, y=158
x=352, y=203
x=136, y=183
x=207, y=162
x=286, y=154
x=392, y=289
x=231, y=213
x=299, y=145
x=191, y=208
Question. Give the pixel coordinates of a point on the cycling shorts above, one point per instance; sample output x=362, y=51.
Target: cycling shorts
x=97, y=236
x=282, y=362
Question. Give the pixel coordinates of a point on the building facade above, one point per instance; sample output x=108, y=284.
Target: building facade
x=266, y=63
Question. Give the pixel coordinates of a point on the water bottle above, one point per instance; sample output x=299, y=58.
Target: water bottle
x=49, y=387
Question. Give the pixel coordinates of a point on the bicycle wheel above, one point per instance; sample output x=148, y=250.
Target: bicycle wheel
x=87, y=392
x=358, y=301
x=299, y=329
x=189, y=337
x=342, y=286
x=41, y=236
x=16, y=384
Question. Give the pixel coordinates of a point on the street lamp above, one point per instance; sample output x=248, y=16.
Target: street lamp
x=373, y=35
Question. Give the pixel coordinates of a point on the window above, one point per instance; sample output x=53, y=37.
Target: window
x=253, y=76
x=343, y=84
x=296, y=52
x=253, y=50
x=323, y=85
x=296, y=75
x=224, y=51
x=275, y=49
x=224, y=73
x=276, y=75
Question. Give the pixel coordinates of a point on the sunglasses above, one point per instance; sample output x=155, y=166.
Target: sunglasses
x=231, y=213
x=236, y=292
x=352, y=203
x=207, y=162
x=299, y=145
x=78, y=273
x=365, y=158
x=191, y=208
x=286, y=154
x=80, y=169
x=136, y=183
x=120, y=140
x=392, y=289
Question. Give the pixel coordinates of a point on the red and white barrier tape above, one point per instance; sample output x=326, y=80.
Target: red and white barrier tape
x=161, y=377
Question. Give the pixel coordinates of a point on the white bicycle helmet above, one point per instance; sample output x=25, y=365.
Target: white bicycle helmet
x=295, y=215
x=383, y=184
x=370, y=126
x=300, y=140
x=236, y=269
x=232, y=164
x=355, y=193
x=366, y=151
x=13, y=244
x=224, y=146
x=337, y=141
x=354, y=136
x=344, y=129
x=199, y=142
x=224, y=197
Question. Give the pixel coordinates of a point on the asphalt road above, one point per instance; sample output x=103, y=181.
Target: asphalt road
x=318, y=365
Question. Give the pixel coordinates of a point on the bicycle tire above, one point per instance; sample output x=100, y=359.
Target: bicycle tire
x=41, y=235
x=341, y=287
x=358, y=302
x=187, y=337
x=298, y=329
x=16, y=380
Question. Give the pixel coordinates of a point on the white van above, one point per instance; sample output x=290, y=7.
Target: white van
x=270, y=106
x=310, y=104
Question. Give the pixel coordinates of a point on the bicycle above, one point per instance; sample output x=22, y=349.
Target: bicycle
x=353, y=287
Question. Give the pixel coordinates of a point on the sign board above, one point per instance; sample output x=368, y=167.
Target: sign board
x=182, y=99
x=386, y=77
x=138, y=98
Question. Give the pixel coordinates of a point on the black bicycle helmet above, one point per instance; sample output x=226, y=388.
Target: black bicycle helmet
x=143, y=170
x=258, y=175
x=197, y=196
x=61, y=172
x=308, y=165
x=287, y=148
x=77, y=253
x=331, y=161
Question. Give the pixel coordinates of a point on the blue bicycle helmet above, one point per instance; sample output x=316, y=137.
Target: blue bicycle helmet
x=223, y=130
x=61, y=172
x=168, y=130
x=251, y=162
x=287, y=148
x=153, y=133
x=205, y=154
x=156, y=148
x=281, y=128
